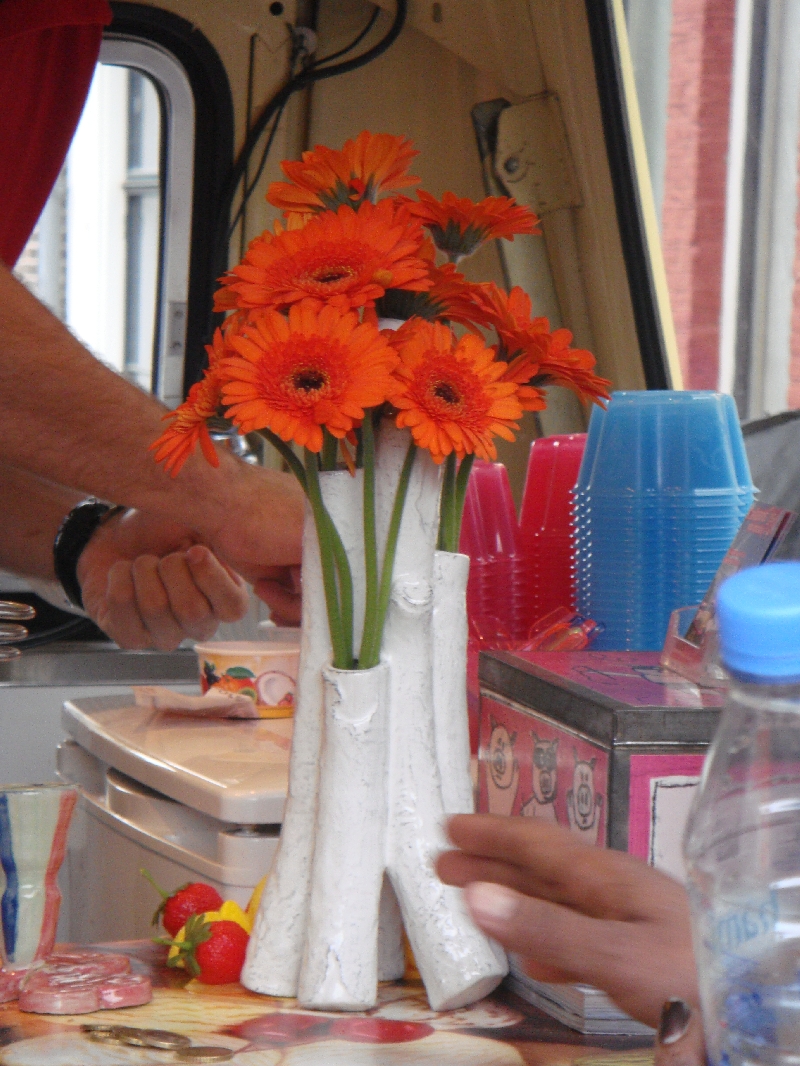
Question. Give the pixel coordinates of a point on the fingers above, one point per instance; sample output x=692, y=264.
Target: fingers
x=158, y=603
x=680, y=1040
x=638, y=964
x=611, y=884
x=114, y=609
x=281, y=593
x=223, y=589
x=456, y=868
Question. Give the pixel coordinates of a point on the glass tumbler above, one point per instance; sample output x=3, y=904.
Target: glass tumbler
x=34, y=822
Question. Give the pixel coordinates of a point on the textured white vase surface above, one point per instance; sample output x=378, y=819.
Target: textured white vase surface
x=379, y=758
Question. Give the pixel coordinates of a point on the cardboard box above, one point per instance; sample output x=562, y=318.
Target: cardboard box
x=607, y=743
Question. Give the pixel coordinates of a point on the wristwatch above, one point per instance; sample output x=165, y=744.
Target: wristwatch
x=73, y=535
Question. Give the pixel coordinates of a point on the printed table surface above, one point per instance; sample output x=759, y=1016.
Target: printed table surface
x=264, y=1031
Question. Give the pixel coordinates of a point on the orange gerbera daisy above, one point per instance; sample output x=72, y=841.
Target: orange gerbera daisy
x=189, y=428
x=537, y=356
x=573, y=368
x=451, y=396
x=344, y=258
x=326, y=179
x=510, y=314
x=450, y=296
x=315, y=368
x=459, y=226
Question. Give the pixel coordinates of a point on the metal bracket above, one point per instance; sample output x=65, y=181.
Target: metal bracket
x=532, y=158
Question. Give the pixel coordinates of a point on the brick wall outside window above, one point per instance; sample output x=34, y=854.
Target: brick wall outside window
x=693, y=216
x=794, y=357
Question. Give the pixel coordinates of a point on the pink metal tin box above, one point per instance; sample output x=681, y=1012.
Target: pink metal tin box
x=606, y=743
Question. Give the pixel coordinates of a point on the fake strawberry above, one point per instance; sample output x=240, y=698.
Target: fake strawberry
x=212, y=946
x=177, y=907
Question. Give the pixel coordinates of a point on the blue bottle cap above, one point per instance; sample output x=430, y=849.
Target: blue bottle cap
x=758, y=614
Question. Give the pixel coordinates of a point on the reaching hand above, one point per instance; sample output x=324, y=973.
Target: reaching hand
x=148, y=583
x=575, y=912
x=255, y=524
x=282, y=596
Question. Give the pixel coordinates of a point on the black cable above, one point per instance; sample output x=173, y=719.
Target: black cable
x=250, y=189
x=71, y=628
x=306, y=77
x=251, y=65
x=248, y=192
x=356, y=40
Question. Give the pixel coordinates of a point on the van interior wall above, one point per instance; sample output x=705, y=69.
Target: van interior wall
x=422, y=90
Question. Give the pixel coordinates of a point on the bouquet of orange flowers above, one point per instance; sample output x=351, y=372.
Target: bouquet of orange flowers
x=302, y=357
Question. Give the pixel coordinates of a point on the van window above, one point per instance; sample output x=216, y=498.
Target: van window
x=719, y=91
x=110, y=253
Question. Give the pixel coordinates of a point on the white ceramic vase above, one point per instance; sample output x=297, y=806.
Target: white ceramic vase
x=379, y=757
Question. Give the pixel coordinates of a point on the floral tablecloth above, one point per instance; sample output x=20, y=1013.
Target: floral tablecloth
x=264, y=1031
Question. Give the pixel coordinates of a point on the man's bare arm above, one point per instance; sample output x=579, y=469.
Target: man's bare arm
x=71, y=420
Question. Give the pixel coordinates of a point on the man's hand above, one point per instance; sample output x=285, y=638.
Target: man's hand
x=148, y=583
x=282, y=595
x=575, y=912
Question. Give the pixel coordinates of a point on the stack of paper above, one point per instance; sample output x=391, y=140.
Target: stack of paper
x=580, y=1007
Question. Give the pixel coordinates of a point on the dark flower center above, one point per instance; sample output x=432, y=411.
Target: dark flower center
x=445, y=391
x=308, y=380
x=332, y=276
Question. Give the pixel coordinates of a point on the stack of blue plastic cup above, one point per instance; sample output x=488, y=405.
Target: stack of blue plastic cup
x=662, y=490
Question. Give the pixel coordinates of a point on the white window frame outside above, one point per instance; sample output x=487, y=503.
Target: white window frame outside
x=178, y=131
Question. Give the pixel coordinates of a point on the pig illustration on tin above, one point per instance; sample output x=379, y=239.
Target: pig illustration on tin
x=502, y=780
x=542, y=804
x=583, y=802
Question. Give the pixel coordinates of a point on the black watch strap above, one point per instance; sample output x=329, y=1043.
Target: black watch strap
x=73, y=535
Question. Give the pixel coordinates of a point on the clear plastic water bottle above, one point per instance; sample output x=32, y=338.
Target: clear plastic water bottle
x=742, y=844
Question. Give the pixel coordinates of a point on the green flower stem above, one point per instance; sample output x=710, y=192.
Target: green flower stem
x=447, y=504
x=288, y=454
x=462, y=480
x=330, y=450
x=342, y=657
x=345, y=589
x=370, y=656
x=370, y=535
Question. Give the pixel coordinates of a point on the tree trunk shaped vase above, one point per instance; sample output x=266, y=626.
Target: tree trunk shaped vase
x=379, y=757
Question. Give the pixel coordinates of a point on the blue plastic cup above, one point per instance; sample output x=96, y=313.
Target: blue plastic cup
x=661, y=442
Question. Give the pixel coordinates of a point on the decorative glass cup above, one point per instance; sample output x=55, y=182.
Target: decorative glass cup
x=34, y=821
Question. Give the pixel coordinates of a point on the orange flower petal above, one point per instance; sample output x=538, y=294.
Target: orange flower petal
x=325, y=179
x=460, y=226
x=345, y=258
x=447, y=394
x=317, y=368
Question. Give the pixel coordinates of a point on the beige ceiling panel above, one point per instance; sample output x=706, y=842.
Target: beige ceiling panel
x=495, y=36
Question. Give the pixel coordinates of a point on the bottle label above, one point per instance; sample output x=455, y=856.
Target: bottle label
x=737, y=926
x=750, y=977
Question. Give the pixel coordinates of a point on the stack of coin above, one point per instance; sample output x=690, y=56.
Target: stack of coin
x=158, y=1039
x=205, y=1054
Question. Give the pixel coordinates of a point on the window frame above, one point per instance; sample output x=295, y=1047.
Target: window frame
x=178, y=122
x=179, y=58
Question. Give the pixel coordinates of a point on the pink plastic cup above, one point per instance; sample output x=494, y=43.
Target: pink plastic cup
x=553, y=466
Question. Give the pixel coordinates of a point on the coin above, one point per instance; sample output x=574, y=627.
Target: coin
x=157, y=1038
x=107, y=1036
x=104, y=1027
x=205, y=1054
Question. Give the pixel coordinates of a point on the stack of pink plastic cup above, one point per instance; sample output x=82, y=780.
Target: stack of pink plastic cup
x=489, y=537
x=545, y=537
